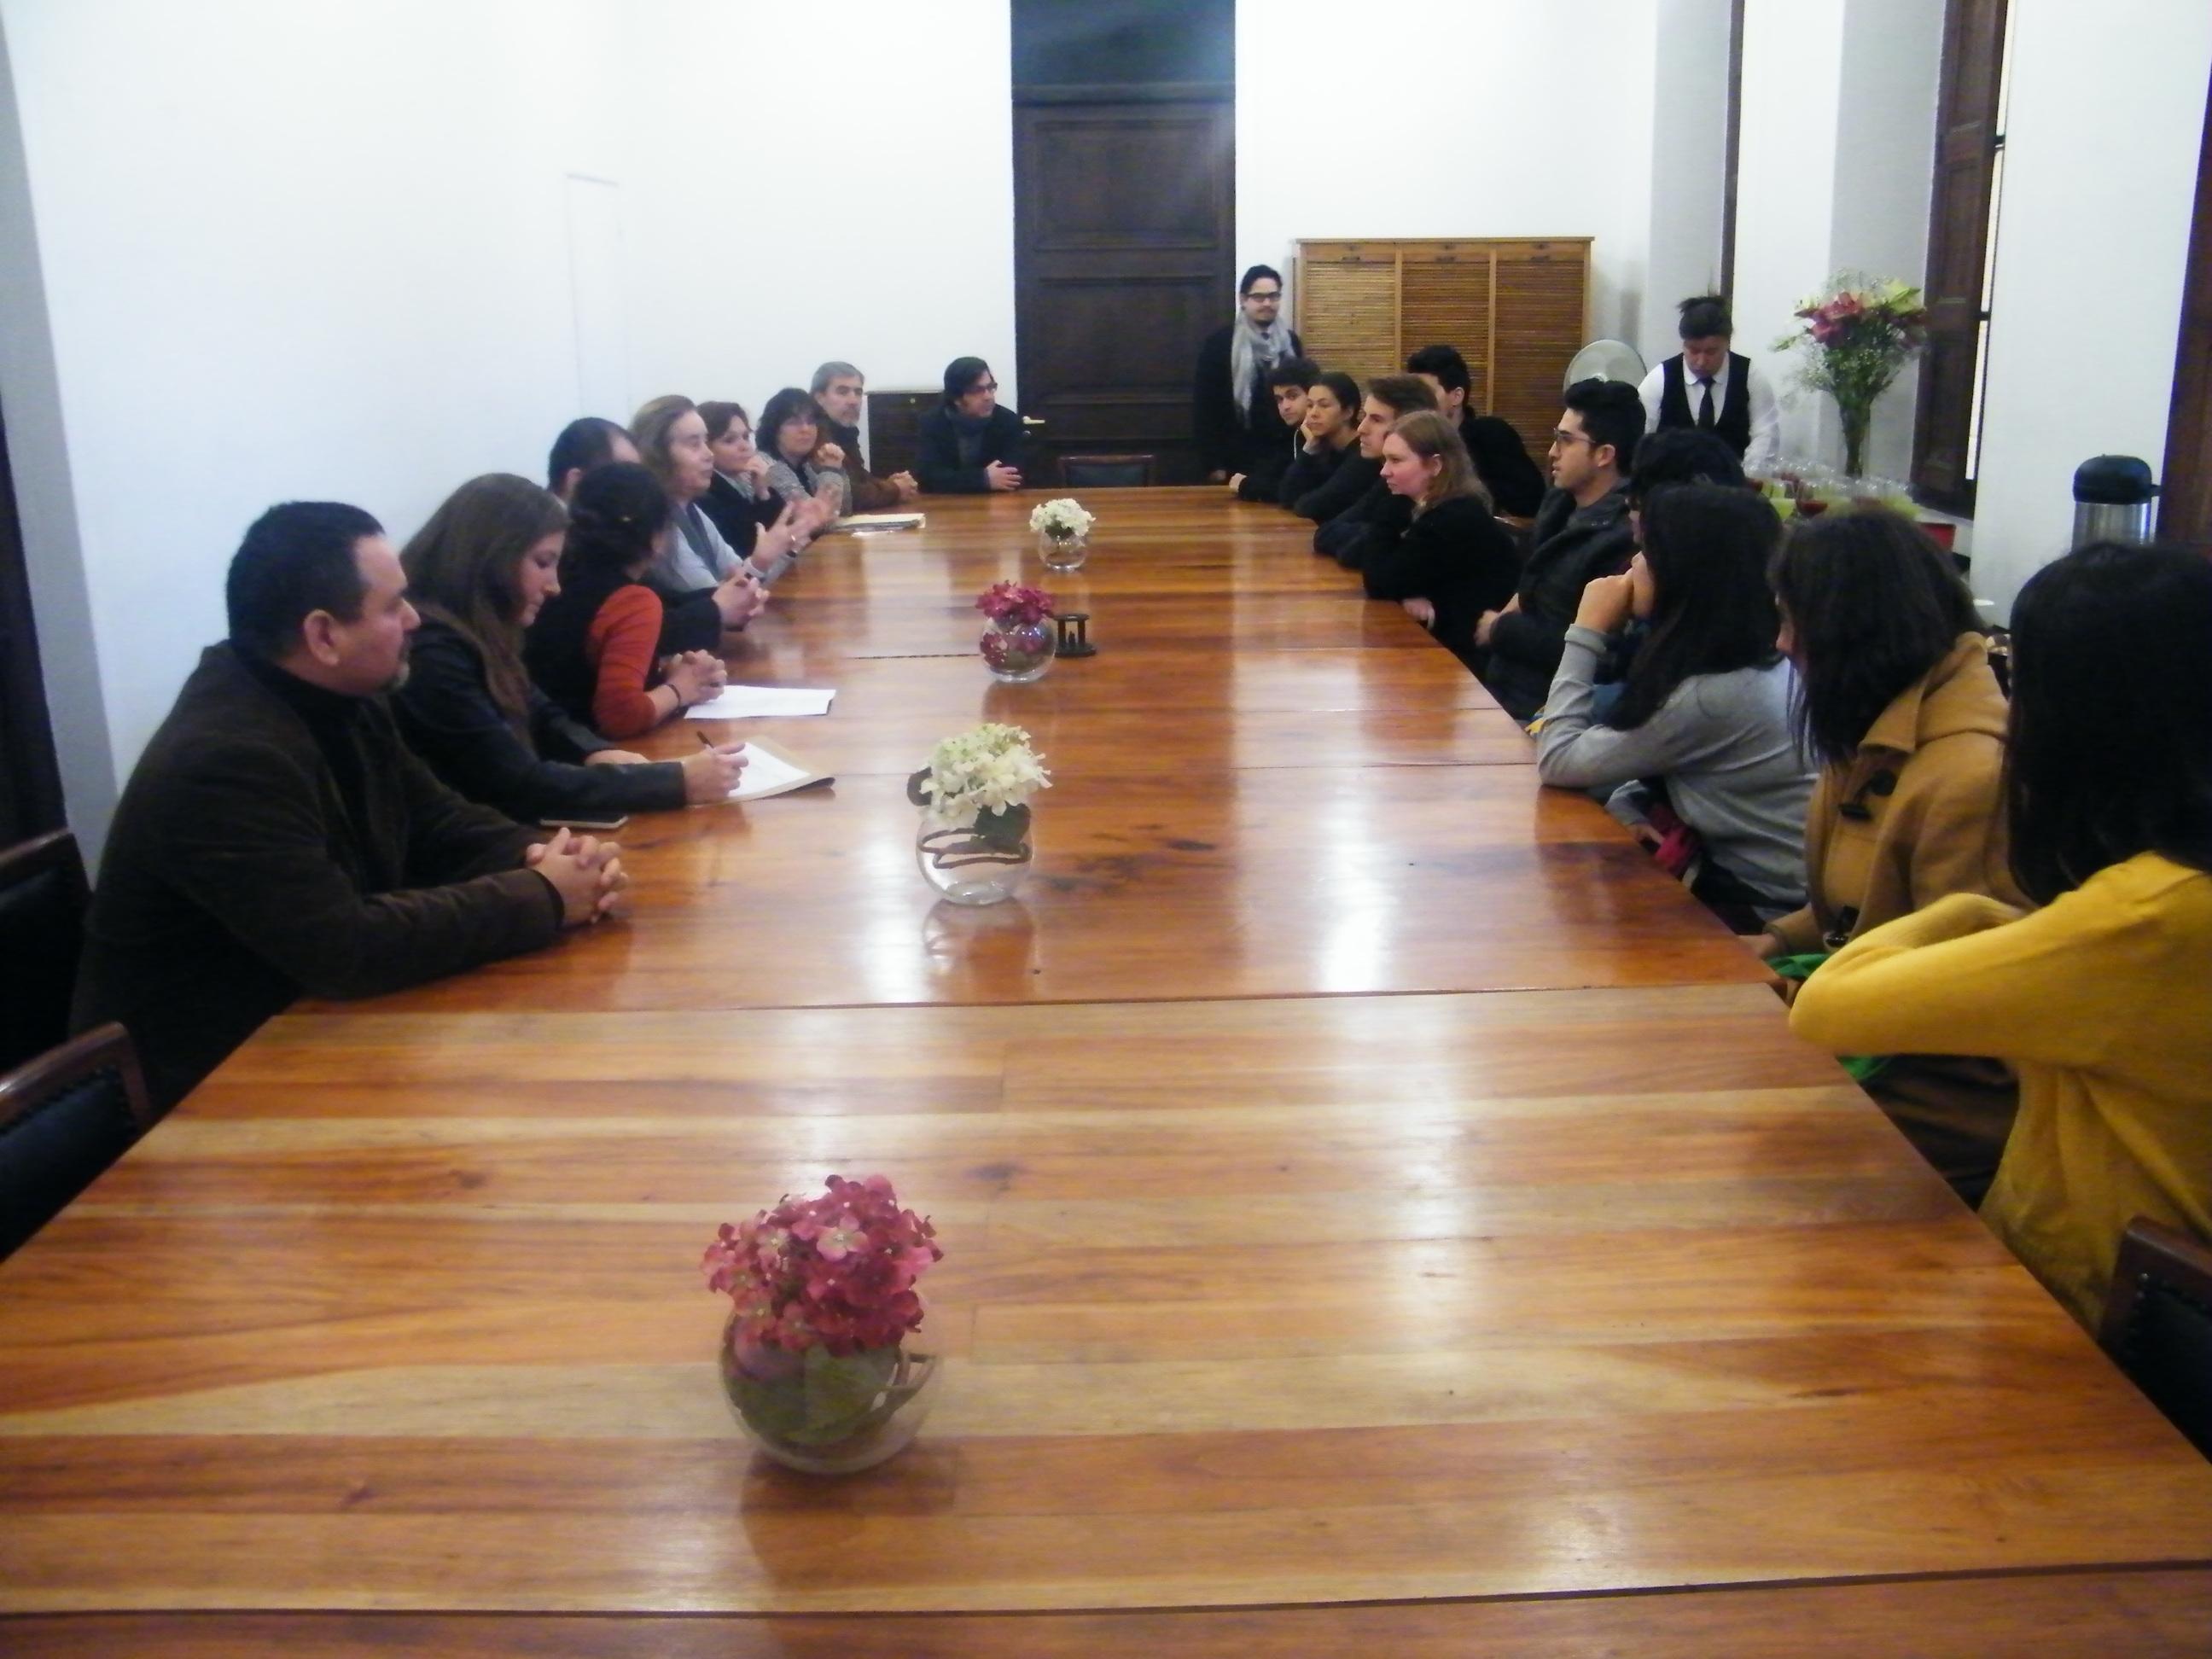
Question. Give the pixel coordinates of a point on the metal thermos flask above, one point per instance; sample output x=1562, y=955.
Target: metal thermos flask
x=2112, y=496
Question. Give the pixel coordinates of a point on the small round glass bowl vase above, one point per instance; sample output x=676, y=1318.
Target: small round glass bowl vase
x=820, y=1415
x=969, y=866
x=1062, y=552
x=1019, y=651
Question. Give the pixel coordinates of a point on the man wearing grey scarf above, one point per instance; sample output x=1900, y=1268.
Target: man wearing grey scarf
x=1235, y=411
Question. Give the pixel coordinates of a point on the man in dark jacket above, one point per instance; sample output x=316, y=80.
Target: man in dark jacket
x=1581, y=533
x=1375, y=515
x=839, y=388
x=277, y=838
x=970, y=444
x=1232, y=411
x=1500, y=459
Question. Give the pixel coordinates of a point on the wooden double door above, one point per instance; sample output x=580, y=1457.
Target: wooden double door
x=1124, y=261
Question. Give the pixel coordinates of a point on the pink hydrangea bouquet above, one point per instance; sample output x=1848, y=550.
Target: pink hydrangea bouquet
x=822, y=1298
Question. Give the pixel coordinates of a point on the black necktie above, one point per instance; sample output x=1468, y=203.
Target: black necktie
x=1705, y=403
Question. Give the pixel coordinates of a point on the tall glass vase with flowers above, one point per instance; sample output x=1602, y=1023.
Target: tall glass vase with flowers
x=814, y=1356
x=1857, y=335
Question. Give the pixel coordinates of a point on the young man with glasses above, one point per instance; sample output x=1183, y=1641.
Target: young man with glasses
x=970, y=444
x=1581, y=533
x=1234, y=415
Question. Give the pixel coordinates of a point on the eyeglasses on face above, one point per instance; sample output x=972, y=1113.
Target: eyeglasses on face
x=1270, y=293
x=1561, y=437
x=981, y=385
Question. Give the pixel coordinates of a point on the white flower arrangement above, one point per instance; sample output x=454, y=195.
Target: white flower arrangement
x=981, y=778
x=1063, y=519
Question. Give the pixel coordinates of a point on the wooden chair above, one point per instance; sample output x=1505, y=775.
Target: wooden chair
x=1106, y=471
x=64, y=1117
x=2158, y=1324
x=42, y=903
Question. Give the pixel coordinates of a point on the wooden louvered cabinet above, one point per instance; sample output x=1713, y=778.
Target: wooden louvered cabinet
x=1515, y=309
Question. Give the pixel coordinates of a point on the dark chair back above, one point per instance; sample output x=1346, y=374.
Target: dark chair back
x=42, y=904
x=64, y=1118
x=1106, y=471
x=2158, y=1324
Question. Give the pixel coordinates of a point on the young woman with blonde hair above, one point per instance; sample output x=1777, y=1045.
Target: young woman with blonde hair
x=1453, y=561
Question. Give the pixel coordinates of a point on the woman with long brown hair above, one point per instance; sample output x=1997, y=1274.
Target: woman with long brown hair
x=479, y=571
x=1454, y=561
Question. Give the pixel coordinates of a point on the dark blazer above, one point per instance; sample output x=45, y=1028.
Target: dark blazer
x=740, y=518
x=1351, y=476
x=1375, y=519
x=241, y=872
x=1226, y=444
x=1309, y=470
x=447, y=715
x=1457, y=557
x=939, y=470
x=1263, y=479
x=1570, y=547
x=1516, y=484
x=870, y=493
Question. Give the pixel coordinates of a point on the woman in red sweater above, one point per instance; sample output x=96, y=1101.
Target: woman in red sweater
x=591, y=647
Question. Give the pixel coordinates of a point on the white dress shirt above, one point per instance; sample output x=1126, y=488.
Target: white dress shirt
x=1765, y=411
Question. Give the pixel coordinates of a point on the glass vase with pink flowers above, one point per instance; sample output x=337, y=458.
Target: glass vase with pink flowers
x=815, y=1357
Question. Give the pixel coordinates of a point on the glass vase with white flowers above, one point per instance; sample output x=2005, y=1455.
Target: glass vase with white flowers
x=1063, y=533
x=974, y=845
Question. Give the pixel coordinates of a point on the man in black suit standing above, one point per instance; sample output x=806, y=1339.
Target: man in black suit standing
x=1237, y=427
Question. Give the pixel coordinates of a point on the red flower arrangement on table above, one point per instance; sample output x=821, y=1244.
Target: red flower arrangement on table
x=1009, y=603
x=821, y=1295
x=837, y=1271
x=1019, y=643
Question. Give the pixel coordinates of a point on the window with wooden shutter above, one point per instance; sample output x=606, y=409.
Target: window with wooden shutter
x=1962, y=216
x=1515, y=309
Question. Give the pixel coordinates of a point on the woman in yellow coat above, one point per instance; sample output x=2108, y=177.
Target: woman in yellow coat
x=2102, y=1000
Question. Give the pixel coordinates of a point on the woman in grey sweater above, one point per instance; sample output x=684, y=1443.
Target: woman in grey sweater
x=1703, y=713
x=801, y=467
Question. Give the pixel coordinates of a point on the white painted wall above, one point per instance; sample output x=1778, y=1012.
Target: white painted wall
x=1689, y=168
x=2107, y=115
x=1836, y=157
x=861, y=208
x=291, y=249
x=1449, y=117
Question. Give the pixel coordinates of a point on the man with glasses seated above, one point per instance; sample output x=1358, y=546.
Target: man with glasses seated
x=1581, y=533
x=1237, y=426
x=970, y=445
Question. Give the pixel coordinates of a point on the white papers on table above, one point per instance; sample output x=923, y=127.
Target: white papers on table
x=739, y=703
x=770, y=771
x=875, y=524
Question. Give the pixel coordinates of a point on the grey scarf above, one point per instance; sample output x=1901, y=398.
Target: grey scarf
x=1252, y=353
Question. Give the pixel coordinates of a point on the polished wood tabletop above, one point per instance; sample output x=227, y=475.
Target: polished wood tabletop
x=1383, y=1214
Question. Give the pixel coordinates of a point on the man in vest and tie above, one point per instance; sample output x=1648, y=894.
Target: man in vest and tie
x=1714, y=389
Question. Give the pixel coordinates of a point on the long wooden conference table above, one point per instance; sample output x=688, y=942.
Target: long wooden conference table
x=1382, y=1214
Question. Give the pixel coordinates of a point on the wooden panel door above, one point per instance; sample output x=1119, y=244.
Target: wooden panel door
x=1966, y=145
x=1124, y=250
